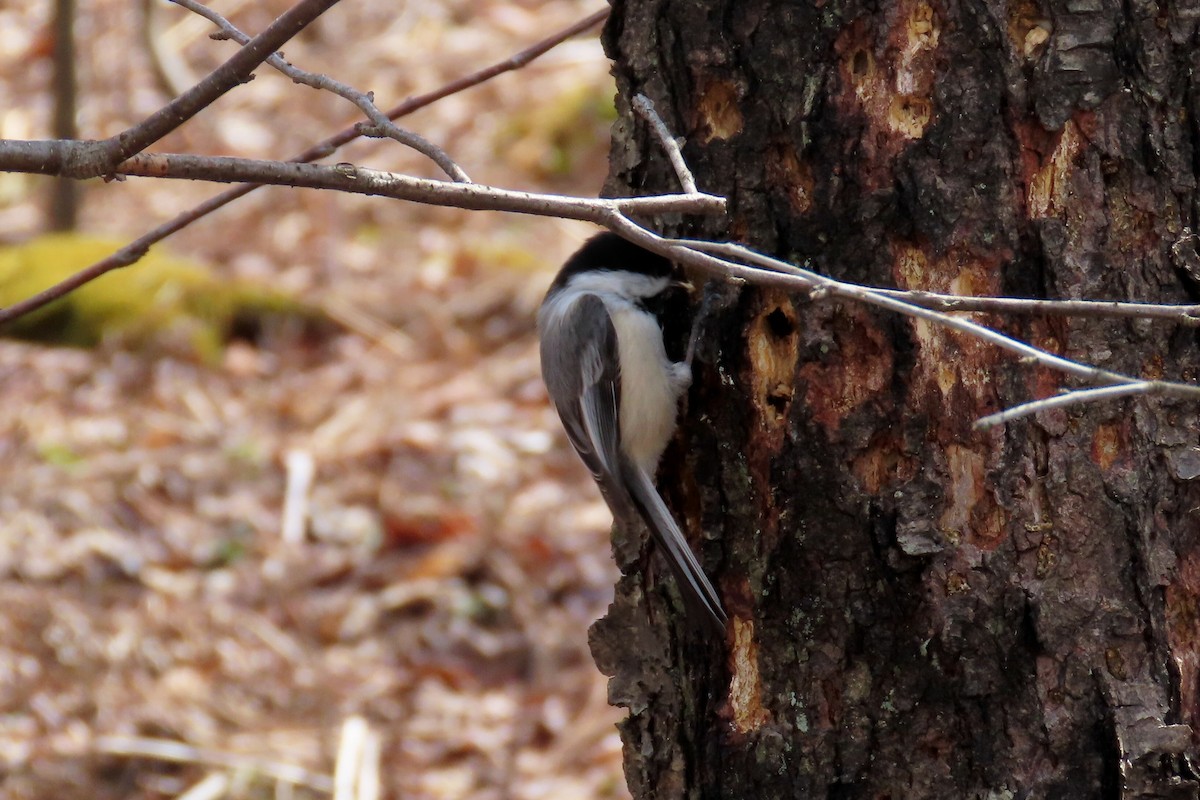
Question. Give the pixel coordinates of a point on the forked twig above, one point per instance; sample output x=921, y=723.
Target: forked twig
x=798, y=278
x=103, y=156
x=645, y=108
x=380, y=124
x=1181, y=314
x=774, y=272
x=135, y=250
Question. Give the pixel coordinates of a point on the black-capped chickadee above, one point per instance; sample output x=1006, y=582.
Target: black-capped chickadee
x=608, y=375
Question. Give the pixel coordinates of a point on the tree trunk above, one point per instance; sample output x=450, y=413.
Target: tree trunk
x=921, y=610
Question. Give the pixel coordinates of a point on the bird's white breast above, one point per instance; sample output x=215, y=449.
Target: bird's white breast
x=650, y=385
x=650, y=382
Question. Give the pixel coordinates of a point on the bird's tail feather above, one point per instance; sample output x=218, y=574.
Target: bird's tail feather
x=698, y=594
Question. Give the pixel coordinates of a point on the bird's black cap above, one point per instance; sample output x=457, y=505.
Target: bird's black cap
x=608, y=251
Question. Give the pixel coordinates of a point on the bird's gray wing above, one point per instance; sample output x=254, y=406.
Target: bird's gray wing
x=593, y=421
x=591, y=417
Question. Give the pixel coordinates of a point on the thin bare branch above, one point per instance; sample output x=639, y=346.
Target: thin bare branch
x=644, y=106
x=773, y=272
x=347, y=177
x=1181, y=314
x=513, y=62
x=339, y=177
x=380, y=124
x=101, y=157
x=1071, y=398
x=808, y=280
x=509, y=64
x=138, y=248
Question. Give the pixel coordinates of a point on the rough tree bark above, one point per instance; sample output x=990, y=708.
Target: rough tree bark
x=923, y=611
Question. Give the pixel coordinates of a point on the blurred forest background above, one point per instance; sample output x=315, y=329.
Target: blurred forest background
x=161, y=636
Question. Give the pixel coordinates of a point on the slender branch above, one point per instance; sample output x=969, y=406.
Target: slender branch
x=773, y=272
x=799, y=278
x=339, y=177
x=417, y=102
x=1072, y=398
x=789, y=274
x=138, y=248
x=645, y=108
x=509, y=64
x=346, y=177
x=122, y=258
x=380, y=124
x=101, y=157
x=1034, y=354
x=1180, y=314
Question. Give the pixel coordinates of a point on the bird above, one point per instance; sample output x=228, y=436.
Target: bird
x=615, y=389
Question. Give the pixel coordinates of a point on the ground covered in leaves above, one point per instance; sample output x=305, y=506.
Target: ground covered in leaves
x=420, y=622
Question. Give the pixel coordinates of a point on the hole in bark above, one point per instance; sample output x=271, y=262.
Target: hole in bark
x=860, y=64
x=780, y=324
x=779, y=400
